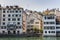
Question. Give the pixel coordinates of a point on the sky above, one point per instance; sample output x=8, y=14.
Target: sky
x=35, y=5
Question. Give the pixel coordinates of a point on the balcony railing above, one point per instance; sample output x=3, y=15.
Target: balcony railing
x=11, y=26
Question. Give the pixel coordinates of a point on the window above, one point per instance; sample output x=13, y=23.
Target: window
x=9, y=15
x=3, y=11
x=3, y=15
x=37, y=22
x=45, y=17
x=49, y=27
x=18, y=8
x=28, y=26
x=45, y=27
x=31, y=25
x=28, y=22
x=52, y=27
x=11, y=11
x=52, y=31
x=20, y=27
x=52, y=22
x=4, y=27
x=18, y=23
x=49, y=22
x=44, y=22
x=16, y=15
x=16, y=11
x=57, y=22
x=3, y=19
x=13, y=19
x=45, y=31
x=49, y=31
x=9, y=19
x=7, y=11
x=20, y=15
x=0, y=8
x=17, y=32
x=19, y=11
x=14, y=22
x=57, y=27
x=1, y=27
x=13, y=15
x=3, y=32
x=57, y=31
x=32, y=21
x=50, y=17
x=3, y=23
x=16, y=27
x=18, y=19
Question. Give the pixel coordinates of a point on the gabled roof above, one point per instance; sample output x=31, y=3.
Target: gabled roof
x=34, y=14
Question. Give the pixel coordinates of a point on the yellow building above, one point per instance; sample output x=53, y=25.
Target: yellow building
x=34, y=20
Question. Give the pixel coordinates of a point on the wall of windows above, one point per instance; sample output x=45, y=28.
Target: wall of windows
x=49, y=27
x=49, y=17
x=49, y=22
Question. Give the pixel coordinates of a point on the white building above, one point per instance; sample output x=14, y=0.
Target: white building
x=11, y=20
x=57, y=23
x=49, y=25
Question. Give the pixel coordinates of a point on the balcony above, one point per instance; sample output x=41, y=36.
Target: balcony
x=11, y=27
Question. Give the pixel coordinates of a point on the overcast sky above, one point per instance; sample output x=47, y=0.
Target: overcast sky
x=38, y=5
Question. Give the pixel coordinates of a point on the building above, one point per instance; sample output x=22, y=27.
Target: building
x=33, y=21
x=49, y=24
x=11, y=20
x=24, y=22
x=57, y=23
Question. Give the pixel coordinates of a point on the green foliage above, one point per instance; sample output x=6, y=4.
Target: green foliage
x=41, y=31
x=37, y=30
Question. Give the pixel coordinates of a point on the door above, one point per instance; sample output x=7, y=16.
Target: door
x=14, y=32
x=9, y=32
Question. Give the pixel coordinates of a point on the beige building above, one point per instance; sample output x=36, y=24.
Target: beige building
x=34, y=20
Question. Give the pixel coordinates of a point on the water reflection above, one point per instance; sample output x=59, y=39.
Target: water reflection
x=31, y=38
x=51, y=38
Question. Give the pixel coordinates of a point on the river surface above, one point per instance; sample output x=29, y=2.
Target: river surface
x=30, y=38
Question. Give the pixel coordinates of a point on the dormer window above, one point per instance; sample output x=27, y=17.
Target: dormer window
x=7, y=6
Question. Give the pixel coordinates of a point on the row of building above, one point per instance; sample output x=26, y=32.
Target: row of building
x=16, y=20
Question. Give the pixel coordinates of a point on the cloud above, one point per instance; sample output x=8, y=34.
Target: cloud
x=10, y=2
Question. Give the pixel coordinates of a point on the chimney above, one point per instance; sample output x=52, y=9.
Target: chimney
x=57, y=9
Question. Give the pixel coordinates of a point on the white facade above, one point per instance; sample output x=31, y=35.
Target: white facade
x=49, y=25
x=11, y=19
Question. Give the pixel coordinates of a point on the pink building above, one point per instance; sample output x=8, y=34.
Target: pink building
x=24, y=22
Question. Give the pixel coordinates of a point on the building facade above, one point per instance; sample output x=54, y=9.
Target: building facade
x=24, y=22
x=33, y=21
x=49, y=23
x=11, y=20
x=57, y=23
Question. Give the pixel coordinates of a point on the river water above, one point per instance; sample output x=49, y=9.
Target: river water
x=30, y=38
